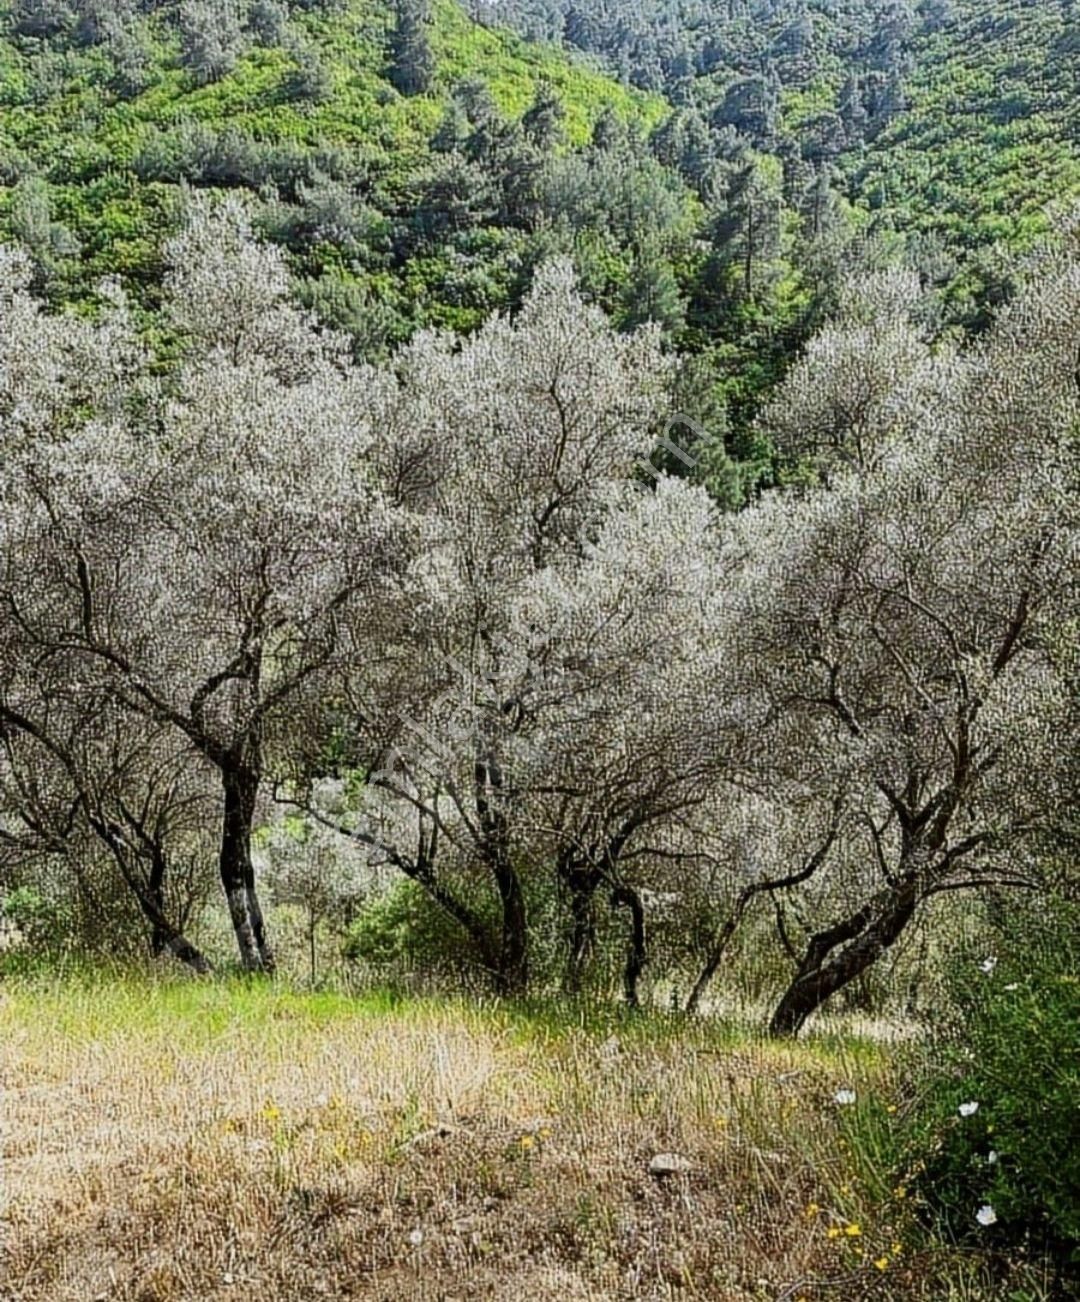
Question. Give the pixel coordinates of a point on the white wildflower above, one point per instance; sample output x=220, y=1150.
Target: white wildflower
x=986, y=1215
x=845, y=1097
x=968, y=1109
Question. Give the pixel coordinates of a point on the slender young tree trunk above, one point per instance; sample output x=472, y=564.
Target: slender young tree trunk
x=240, y=786
x=748, y=268
x=165, y=937
x=636, y=955
x=514, y=955
x=582, y=887
x=866, y=934
x=716, y=954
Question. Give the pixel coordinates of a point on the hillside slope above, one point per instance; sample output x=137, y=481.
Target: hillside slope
x=991, y=129
x=960, y=117
x=103, y=121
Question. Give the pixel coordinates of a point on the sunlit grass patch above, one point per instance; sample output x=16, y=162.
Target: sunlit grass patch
x=235, y=1138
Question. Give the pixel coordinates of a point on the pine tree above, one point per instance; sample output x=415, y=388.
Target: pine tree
x=412, y=63
x=746, y=234
x=609, y=131
x=652, y=293
x=542, y=122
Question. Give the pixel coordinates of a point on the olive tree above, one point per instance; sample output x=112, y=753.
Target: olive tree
x=306, y=865
x=194, y=547
x=549, y=710
x=906, y=621
x=102, y=813
x=861, y=377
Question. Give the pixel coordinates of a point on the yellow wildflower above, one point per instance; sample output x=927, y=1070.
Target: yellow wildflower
x=526, y=1141
x=834, y=1231
x=882, y=1263
x=853, y=1231
x=813, y=1209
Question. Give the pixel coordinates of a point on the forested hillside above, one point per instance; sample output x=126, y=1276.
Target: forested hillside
x=990, y=130
x=717, y=169
x=394, y=218
x=951, y=121
x=839, y=80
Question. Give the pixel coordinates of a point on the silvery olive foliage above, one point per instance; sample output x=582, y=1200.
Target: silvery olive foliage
x=446, y=613
x=196, y=542
x=554, y=604
x=861, y=377
x=909, y=624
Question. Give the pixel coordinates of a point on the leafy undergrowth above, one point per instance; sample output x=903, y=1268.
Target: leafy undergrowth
x=178, y=1140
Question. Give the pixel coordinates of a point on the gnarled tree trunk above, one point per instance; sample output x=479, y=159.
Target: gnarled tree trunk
x=865, y=936
x=165, y=936
x=727, y=931
x=240, y=785
x=513, y=970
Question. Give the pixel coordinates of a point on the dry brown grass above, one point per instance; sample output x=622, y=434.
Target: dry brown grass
x=168, y=1141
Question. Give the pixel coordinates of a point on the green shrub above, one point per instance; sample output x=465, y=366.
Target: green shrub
x=311, y=80
x=404, y=936
x=345, y=304
x=1007, y=1173
x=41, y=923
x=404, y=933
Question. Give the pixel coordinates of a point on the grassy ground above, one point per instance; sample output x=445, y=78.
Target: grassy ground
x=181, y=1140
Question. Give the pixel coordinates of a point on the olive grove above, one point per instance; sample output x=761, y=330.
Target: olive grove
x=446, y=610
